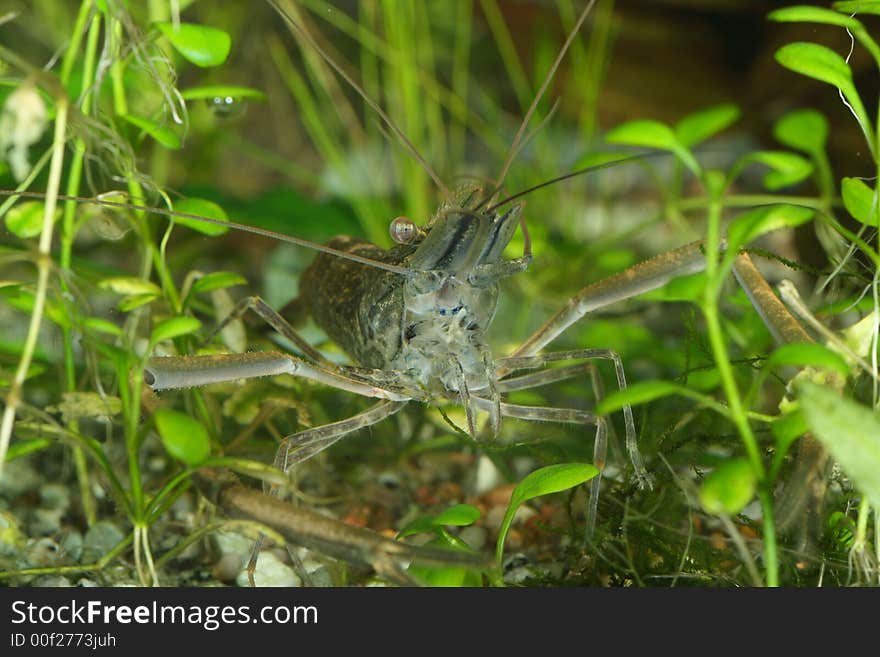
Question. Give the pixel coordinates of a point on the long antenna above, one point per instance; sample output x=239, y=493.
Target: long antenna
x=547, y=79
x=254, y=230
x=579, y=172
x=301, y=31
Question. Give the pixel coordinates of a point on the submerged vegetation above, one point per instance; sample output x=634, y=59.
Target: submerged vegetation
x=122, y=123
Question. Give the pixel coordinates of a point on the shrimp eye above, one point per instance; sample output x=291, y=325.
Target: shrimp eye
x=403, y=230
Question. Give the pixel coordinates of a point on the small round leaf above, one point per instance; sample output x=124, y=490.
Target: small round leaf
x=858, y=199
x=163, y=134
x=816, y=62
x=808, y=354
x=199, y=208
x=728, y=488
x=806, y=130
x=550, y=479
x=217, y=280
x=805, y=14
x=174, y=327
x=26, y=219
x=202, y=45
x=183, y=437
x=698, y=127
x=129, y=285
x=459, y=515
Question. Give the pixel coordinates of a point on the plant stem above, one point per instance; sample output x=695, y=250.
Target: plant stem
x=68, y=233
x=44, y=265
x=728, y=381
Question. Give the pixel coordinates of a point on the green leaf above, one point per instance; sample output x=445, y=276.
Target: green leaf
x=858, y=198
x=786, y=168
x=729, y=488
x=698, y=127
x=825, y=65
x=704, y=380
x=817, y=62
x=173, y=327
x=858, y=6
x=807, y=354
x=201, y=208
x=635, y=394
x=805, y=14
x=646, y=391
x=786, y=429
x=550, y=479
x=459, y=515
x=841, y=530
x=217, y=280
x=101, y=326
x=646, y=133
x=850, y=431
x=183, y=437
x=129, y=285
x=683, y=288
x=202, y=45
x=163, y=134
x=805, y=130
x=208, y=92
x=456, y=576
x=26, y=219
x=135, y=301
x=421, y=525
x=24, y=447
x=451, y=576
x=749, y=225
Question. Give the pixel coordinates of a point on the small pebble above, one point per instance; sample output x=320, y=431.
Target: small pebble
x=44, y=522
x=227, y=567
x=488, y=476
x=270, y=572
x=100, y=539
x=517, y=569
x=54, y=496
x=233, y=543
x=474, y=536
x=52, y=581
x=18, y=477
x=72, y=545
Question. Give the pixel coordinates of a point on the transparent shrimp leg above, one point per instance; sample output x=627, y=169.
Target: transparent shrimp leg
x=269, y=315
x=646, y=276
x=191, y=371
x=801, y=498
x=174, y=372
x=600, y=450
x=534, y=362
x=564, y=416
x=302, y=445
